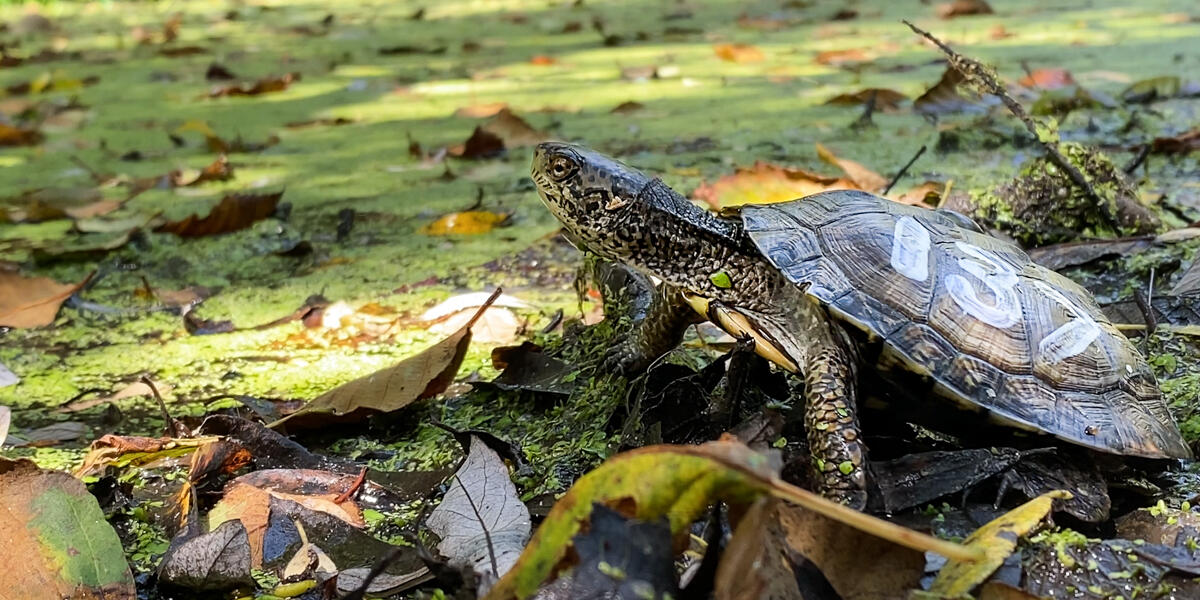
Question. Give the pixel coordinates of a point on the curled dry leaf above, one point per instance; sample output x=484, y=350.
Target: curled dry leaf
x=274, y=83
x=50, y=435
x=217, y=560
x=471, y=222
x=765, y=183
x=65, y=547
x=233, y=213
x=885, y=100
x=738, y=53
x=863, y=178
x=680, y=482
x=421, y=376
x=32, y=301
x=482, y=523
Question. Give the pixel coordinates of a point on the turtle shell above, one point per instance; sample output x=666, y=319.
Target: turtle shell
x=990, y=328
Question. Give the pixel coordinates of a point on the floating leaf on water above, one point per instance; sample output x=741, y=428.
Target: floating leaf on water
x=738, y=53
x=841, y=58
x=274, y=83
x=863, y=177
x=963, y=8
x=18, y=136
x=1047, y=79
x=471, y=222
x=765, y=183
x=1178, y=144
x=233, y=213
x=514, y=131
x=32, y=301
x=885, y=100
x=944, y=97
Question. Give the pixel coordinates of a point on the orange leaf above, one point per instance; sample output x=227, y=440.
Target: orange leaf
x=471, y=222
x=17, y=136
x=235, y=212
x=542, y=60
x=32, y=301
x=1047, y=79
x=842, y=57
x=738, y=53
x=863, y=178
x=765, y=183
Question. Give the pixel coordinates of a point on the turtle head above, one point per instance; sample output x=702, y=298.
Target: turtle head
x=593, y=195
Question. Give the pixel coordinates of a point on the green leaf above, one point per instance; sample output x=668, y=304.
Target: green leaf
x=67, y=549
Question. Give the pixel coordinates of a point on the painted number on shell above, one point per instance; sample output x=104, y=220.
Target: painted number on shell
x=1071, y=337
x=910, y=249
x=993, y=273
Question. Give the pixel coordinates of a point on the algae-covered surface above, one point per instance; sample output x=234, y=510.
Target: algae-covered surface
x=385, y=92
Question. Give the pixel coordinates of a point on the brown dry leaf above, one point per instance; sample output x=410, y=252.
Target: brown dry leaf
x=497, y=325
x=944, y=96
x=18, y=136
x=274, y=83
x=864, y=178
x=471, y=222
x=927, y=194
x=765, y=183
x=252, y=506
x=32, y=301
x=424, y=375
x=1180, y=144
x=55, y=529
x=481, y=144
x=885, y=100
x=480, y=111
x=233, y=213
x=513, y=130
x=838, y=58
x=628, y=107
x=219, y=170
x=47, y=204
x=132, y=450
x=963, y=8
x=738, y=53
x=759, y=560
x=1047, y=79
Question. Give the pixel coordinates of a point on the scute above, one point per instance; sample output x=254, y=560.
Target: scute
x=973, y=313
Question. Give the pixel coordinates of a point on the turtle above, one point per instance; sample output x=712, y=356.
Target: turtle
x=844, y=280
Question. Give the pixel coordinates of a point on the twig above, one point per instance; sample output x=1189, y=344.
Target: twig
x=864, y=120
x=903, y=170
x=979, y=76
x=487, y=535
x=354, y=486
x=1137, y=161
x=171, y=426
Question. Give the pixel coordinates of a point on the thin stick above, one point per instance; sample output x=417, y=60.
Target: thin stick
x=1137, y=160
x=978, y=75
x=903, y=170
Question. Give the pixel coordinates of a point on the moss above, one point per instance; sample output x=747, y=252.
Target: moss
x=1042, y=205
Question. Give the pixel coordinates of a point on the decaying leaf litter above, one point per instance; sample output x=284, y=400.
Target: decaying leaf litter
x=393, y=140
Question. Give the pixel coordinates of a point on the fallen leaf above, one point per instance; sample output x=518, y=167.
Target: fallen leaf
x=840, y=58
x=32, y=301
x=88, y=248
x=916, y=479
x=944, y=96
x=1109, y=568
x=1047, y=79
x=997, y=540
x=233, y=213
x=46, y=204
x=482, y=523
x=121, y=451
x=542, y=60
x=765, y=183
x=1179, y=144
x=514, y=131
x=471, y=222
x=480, y=111
x=219, y=170
x=679, y=482
x=885, y=100
x=50, y=435
x=863, y=178
x=213, y=561
x=66, y=548
x=1073, y=254
x=963, y=8
x=497, y=325
x=277, y=83
x=424, y=375
x=738, y=53
x=628, y=107
x=526, y=368
x=18, y=136
x=928, y=194
x=481, y=144
x=218, y=72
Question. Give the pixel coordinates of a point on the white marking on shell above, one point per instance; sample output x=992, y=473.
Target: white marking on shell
x=1072, y=337
x=910, y=249
x=1000, y=279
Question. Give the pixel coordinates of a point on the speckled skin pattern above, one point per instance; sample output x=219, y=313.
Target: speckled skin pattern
x=621, y=214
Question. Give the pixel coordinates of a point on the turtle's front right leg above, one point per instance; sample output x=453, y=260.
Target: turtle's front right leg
x=660, y=331
x=831, y=425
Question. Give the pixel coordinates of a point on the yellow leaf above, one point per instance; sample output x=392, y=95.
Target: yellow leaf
x=40, y=83
x=996, y=540
x=471, y=222
x=198, y=126
x=738, y=53
x=864, y=178
x=765, y=183
x=679, y=483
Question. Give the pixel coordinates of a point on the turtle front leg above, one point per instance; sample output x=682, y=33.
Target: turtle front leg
x=831, y=425
x=661, y=330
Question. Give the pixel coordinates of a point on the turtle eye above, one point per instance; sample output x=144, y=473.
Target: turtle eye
x=562, y=167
